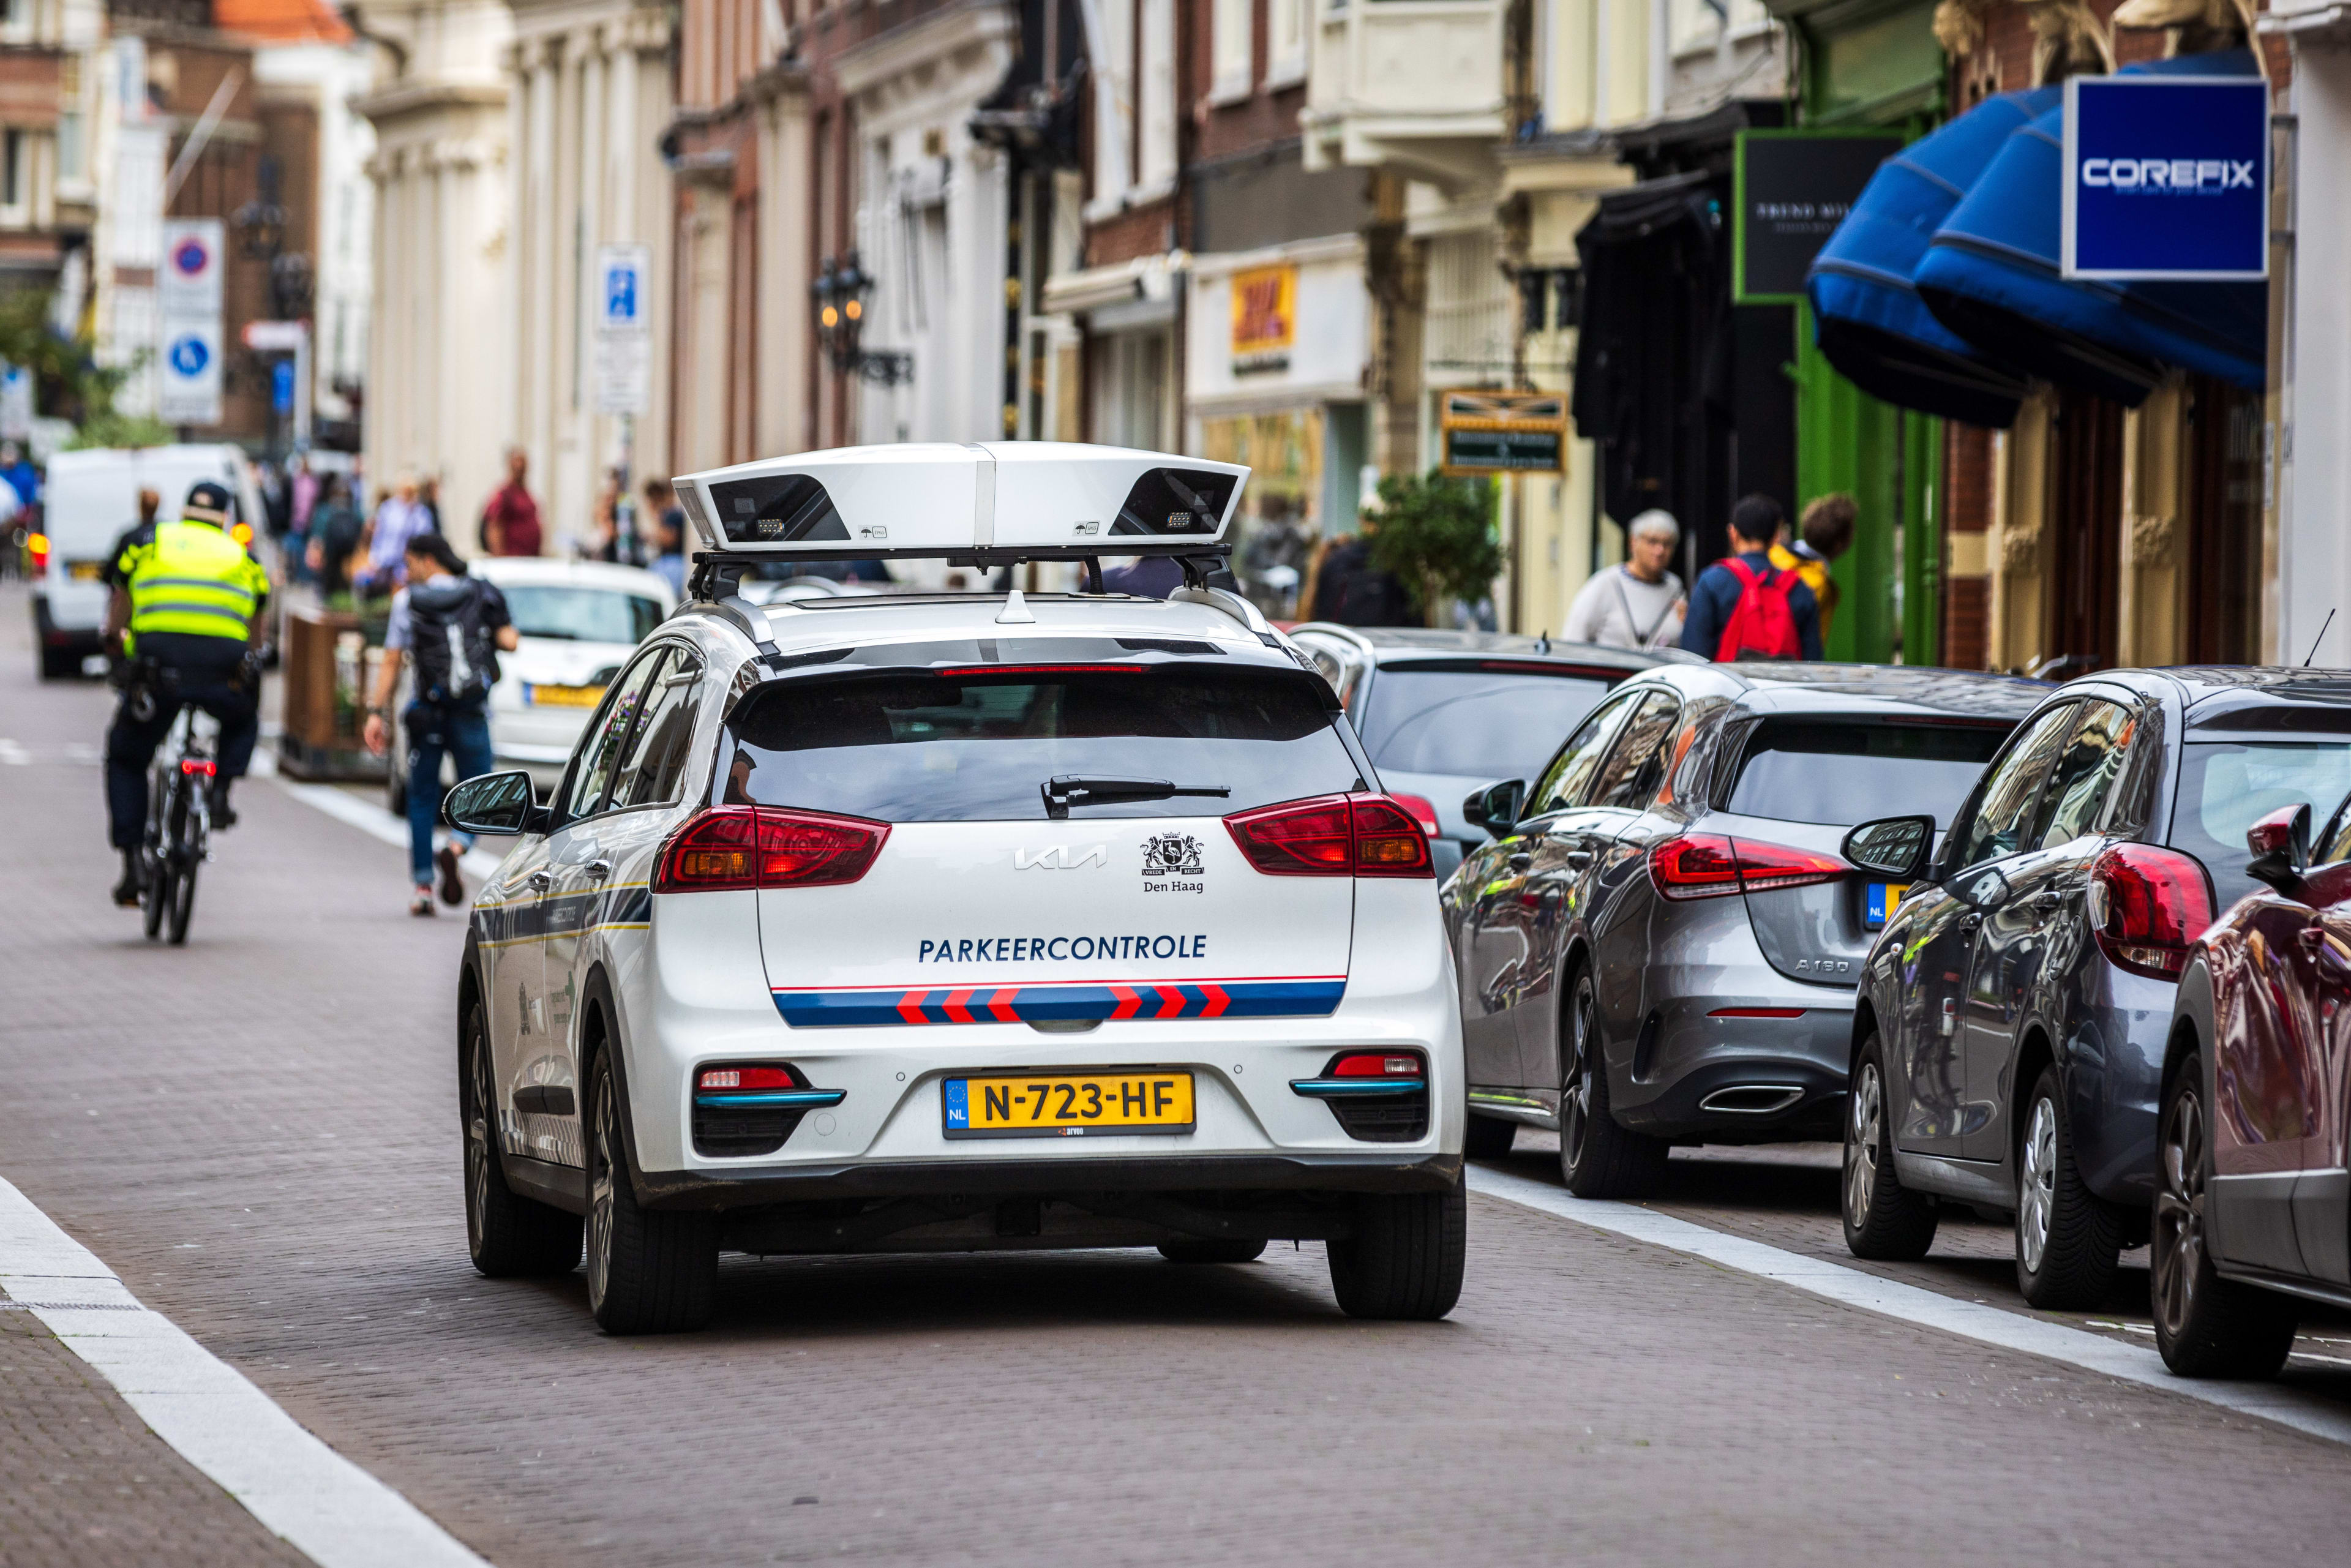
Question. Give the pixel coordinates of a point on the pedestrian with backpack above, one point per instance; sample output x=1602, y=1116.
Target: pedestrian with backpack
x=450, y=628
x=1743, y=608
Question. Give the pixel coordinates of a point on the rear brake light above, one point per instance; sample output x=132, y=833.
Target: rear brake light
x=1757, y=1013
x=37, y=545
x=1376, y=1064
x=747, y=1078
x=1421, y=810
x=204, y=766
x=734, y=847
x=974, y=672
x=1333, y=835
x=1707, y=866
x=2147, y=907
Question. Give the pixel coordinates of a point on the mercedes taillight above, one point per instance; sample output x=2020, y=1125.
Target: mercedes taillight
x=2147, y=907
x=1708, y=865
x=734, y=847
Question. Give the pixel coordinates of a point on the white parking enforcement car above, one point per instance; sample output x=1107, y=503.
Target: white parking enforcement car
x=958, y=921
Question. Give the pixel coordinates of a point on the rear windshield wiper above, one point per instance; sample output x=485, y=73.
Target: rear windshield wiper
x=1069, y=789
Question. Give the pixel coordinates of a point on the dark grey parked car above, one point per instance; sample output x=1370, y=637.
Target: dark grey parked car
x=2008, y=1048
x=1661, y=942
x=1443, y=713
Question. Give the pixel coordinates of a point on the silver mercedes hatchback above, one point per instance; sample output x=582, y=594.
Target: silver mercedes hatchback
x=1660, y=945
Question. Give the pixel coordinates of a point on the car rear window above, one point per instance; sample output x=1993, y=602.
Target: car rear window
x=1489, y=723
x=580, y=614
x=2225, y=787
x=1842, y=772
x=947, y=749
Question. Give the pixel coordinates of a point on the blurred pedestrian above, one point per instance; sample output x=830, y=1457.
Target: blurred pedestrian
x=1824, y=533
x=18, y=471
x=603, y=542
x=428, y=495
x=1742, y=607
x=336, y=527
x=398, y=519
x=510, y=520
x=1637, y=604
x=452, y=627
x=1349, y=588
x=667, y=520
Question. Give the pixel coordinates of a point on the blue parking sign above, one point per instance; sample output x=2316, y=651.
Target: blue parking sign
x=621, y=294
x=2166, y=177
x=189, y=356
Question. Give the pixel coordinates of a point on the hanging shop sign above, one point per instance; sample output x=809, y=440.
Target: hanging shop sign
x=1265, y=318
x=1789, y=191
x=1504, y=433
x=2166, y=178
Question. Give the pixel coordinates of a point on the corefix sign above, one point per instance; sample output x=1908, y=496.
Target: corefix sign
x=2168, y=177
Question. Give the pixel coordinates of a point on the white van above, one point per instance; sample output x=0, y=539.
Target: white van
x=89, y=500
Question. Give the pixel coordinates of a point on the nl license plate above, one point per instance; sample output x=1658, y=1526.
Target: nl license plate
x=1069, y=1105
x=564, y=696
x=85, y=570
x=1884, y=898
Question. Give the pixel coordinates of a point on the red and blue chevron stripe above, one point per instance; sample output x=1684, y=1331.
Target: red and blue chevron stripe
x=820, y=1007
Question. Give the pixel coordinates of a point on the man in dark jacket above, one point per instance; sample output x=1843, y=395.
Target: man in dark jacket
x=1714, y=598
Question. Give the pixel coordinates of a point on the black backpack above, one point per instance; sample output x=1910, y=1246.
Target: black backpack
x=453, y=638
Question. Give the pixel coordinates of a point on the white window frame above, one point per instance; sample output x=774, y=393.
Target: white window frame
x=1232, y=24
x=1155, y=161
x=1113, y=110
x=1285, y=43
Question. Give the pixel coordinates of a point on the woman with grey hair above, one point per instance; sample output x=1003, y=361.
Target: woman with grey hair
x=1638, y=604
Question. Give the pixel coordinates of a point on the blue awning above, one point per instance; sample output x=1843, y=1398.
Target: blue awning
x=1991, y=276
x=1869, y=322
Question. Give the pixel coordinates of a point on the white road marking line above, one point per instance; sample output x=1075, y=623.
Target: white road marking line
x=14, y=754
x=1913, y=1304
x=327, y=1507
x=376, y=823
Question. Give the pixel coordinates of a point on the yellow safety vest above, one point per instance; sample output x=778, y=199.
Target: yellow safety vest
x=192, y=578
x=1815, y=575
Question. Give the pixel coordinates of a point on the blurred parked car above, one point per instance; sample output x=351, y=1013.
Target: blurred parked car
x=1660, y=945
x=2252, y=1208
x=1445, y=712
x=2011, y=1039
x=578, y=620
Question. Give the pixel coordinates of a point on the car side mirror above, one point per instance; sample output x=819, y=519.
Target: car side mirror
x=2280, y=846
x=1496, y=806
x=495, y=803
x=1895, y=848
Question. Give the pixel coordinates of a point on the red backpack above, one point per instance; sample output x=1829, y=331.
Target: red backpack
x=1761, y=626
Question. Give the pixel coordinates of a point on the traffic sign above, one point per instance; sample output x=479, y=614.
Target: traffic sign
x=623, y=337
x=188, y=379
x=189, y=281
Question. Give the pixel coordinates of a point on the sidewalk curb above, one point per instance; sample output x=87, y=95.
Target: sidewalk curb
x=209, y=1413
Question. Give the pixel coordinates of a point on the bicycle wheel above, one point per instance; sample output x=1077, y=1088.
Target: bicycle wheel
x=186, y=853
x=156, y=893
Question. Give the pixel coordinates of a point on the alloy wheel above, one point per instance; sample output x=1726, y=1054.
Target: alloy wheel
x=1862, y=1131
x=477, y=1139
x=2180, y=1212
x=603, y=1147
x=2037, y=1184
x=1575, y=1090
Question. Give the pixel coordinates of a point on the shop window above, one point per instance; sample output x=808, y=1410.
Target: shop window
x=2224, y=524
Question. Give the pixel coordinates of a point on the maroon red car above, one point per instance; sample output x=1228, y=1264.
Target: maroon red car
x=2253, y=1212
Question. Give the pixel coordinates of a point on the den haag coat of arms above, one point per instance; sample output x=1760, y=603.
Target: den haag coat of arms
x=1171, y=854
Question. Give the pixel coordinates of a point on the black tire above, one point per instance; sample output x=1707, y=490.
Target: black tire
x=649, y=1270
x=1207, y=1251
x=508, y=1236
x=1406, y=1257
x=184, y=854
x=58, y=664
x=157, y=894
x=2069, y=1240
x=183, y=903
x=1597, y=1157
x=2205, y=1326
x=1488, y=1137
x=1883, y=1220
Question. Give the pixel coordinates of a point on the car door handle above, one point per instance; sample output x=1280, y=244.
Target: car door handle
x=597, y=871
x=1520, y=861
x=541, y=881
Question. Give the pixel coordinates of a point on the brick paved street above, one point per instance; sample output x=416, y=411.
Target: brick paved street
x=257, y=1132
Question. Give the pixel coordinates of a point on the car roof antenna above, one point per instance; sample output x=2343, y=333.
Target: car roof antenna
x=2314, y=642
x=1543, y=643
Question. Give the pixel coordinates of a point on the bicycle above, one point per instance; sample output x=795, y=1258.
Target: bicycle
x=178, y=837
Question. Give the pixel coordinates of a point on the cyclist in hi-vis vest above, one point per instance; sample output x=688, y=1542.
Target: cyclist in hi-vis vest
x=187, y=604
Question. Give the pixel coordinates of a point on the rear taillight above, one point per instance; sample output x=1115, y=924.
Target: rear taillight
x=735, y=847
x=1333, y=835
x=38, y=547
x=1707, y=866
x=2147, y=907
x=1420, y=809
x=1376, y=1064
x=195, y=766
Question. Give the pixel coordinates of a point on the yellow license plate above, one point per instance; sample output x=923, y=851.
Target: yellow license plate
x=565, y=696
x=1067, y=1105
x=85, y=570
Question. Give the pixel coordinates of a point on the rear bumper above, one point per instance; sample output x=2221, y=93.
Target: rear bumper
x=755, y=1185
x=1711, y=1078
x=49, y=633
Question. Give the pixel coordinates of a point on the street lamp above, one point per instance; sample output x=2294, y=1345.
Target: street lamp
x=839, y=291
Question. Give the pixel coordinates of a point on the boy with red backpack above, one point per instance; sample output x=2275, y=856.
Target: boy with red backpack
x=1743, y=608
